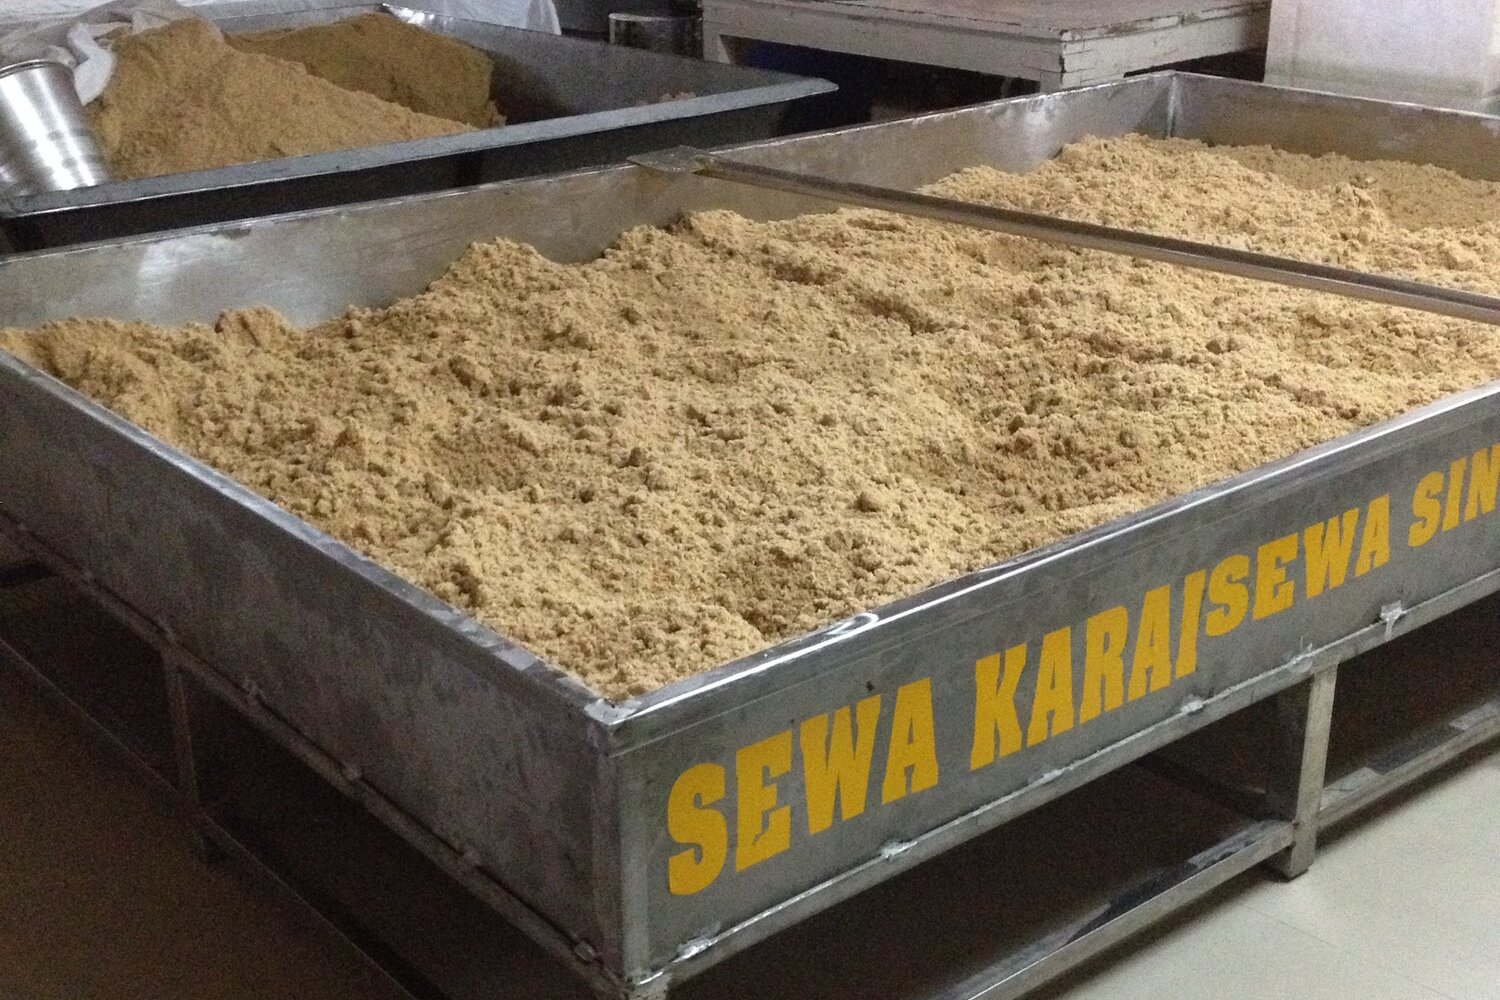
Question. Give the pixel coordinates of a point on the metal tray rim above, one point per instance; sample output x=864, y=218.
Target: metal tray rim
x=633, y=721
x=1171, y=79
x=637, y=721
x=1382, y=104
x=624, y=786
x=1160, y=78
x=235, y=226
x=786, y=88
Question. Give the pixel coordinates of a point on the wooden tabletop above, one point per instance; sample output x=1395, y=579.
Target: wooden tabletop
x=1054, y=18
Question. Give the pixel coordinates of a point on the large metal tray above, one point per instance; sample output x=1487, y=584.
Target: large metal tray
x=570, y=103
x=555, y=801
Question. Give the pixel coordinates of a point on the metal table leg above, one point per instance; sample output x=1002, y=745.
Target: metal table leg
x=1295, y=793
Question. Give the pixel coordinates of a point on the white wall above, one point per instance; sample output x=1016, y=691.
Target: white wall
x=1492, y=59
x=1444, y=50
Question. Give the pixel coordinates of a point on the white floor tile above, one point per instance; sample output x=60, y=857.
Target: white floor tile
x=1231, y=952
x=1415, y=890
x=1402, y=905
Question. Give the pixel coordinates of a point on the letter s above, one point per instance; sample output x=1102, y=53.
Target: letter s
x=691, y=822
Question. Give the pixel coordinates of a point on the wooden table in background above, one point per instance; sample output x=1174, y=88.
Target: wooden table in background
x=1058, y=43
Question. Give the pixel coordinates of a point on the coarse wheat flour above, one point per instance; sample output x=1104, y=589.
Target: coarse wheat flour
x=395, y=61
x=181, y=98
x=724, y=434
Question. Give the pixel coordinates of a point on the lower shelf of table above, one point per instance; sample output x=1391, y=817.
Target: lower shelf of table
x=994, y=917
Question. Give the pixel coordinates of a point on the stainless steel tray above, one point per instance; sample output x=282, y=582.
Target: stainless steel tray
x=556, y=803
x=570, y=102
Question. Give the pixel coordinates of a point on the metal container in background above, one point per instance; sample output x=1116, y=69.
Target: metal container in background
x=45, y=141
x=569, y=103
x=678, y=34
x=590, y=18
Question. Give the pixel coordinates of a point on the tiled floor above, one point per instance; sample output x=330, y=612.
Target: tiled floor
x=99, y=898
x=102, y=899
x=1403, y=904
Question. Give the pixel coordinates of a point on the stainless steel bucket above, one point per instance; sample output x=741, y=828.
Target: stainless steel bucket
x=678, y=34
x=45, y=141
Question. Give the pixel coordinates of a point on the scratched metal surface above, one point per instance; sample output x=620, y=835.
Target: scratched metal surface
x=561, y=794
x=570, y=102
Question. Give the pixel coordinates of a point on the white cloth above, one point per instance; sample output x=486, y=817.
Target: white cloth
x=535, y=15
x=71, y=30
x=76, y=41
x=14, y=12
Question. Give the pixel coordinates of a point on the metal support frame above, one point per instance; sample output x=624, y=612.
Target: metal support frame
x=1304, y=714
x=1295, y=807
x=210, y=840
x=1128, y=914
x=83, y=479
x=1409, y=761
x=187, y=786
x=183, y=792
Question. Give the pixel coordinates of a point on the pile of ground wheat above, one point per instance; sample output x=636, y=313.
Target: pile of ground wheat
x=395, y=61
x=724, y=434
x=182, y=98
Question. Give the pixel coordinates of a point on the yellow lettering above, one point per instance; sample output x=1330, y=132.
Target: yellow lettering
x=1375, y=542
x=1052, y=703
x=1103, y=662
x=1227, y=590
x=1192, y=607
x=1484, y=483
x=690, y=821
x=837, y=765
x=995, y=717
x=1455, y=493
x=913, y=744
x=1153, y=644
x=1426, y=509
x=765, y=829
x=1273, y=591
x=1329, y=547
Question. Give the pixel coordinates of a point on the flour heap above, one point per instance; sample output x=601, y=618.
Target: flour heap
x=397, y=62
x=725, y=433
x=184, y=97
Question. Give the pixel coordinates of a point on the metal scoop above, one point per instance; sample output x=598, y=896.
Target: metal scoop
x=45, y=141
x=1203, y=256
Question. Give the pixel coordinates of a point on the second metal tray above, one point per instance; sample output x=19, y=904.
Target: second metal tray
x=571, y=103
